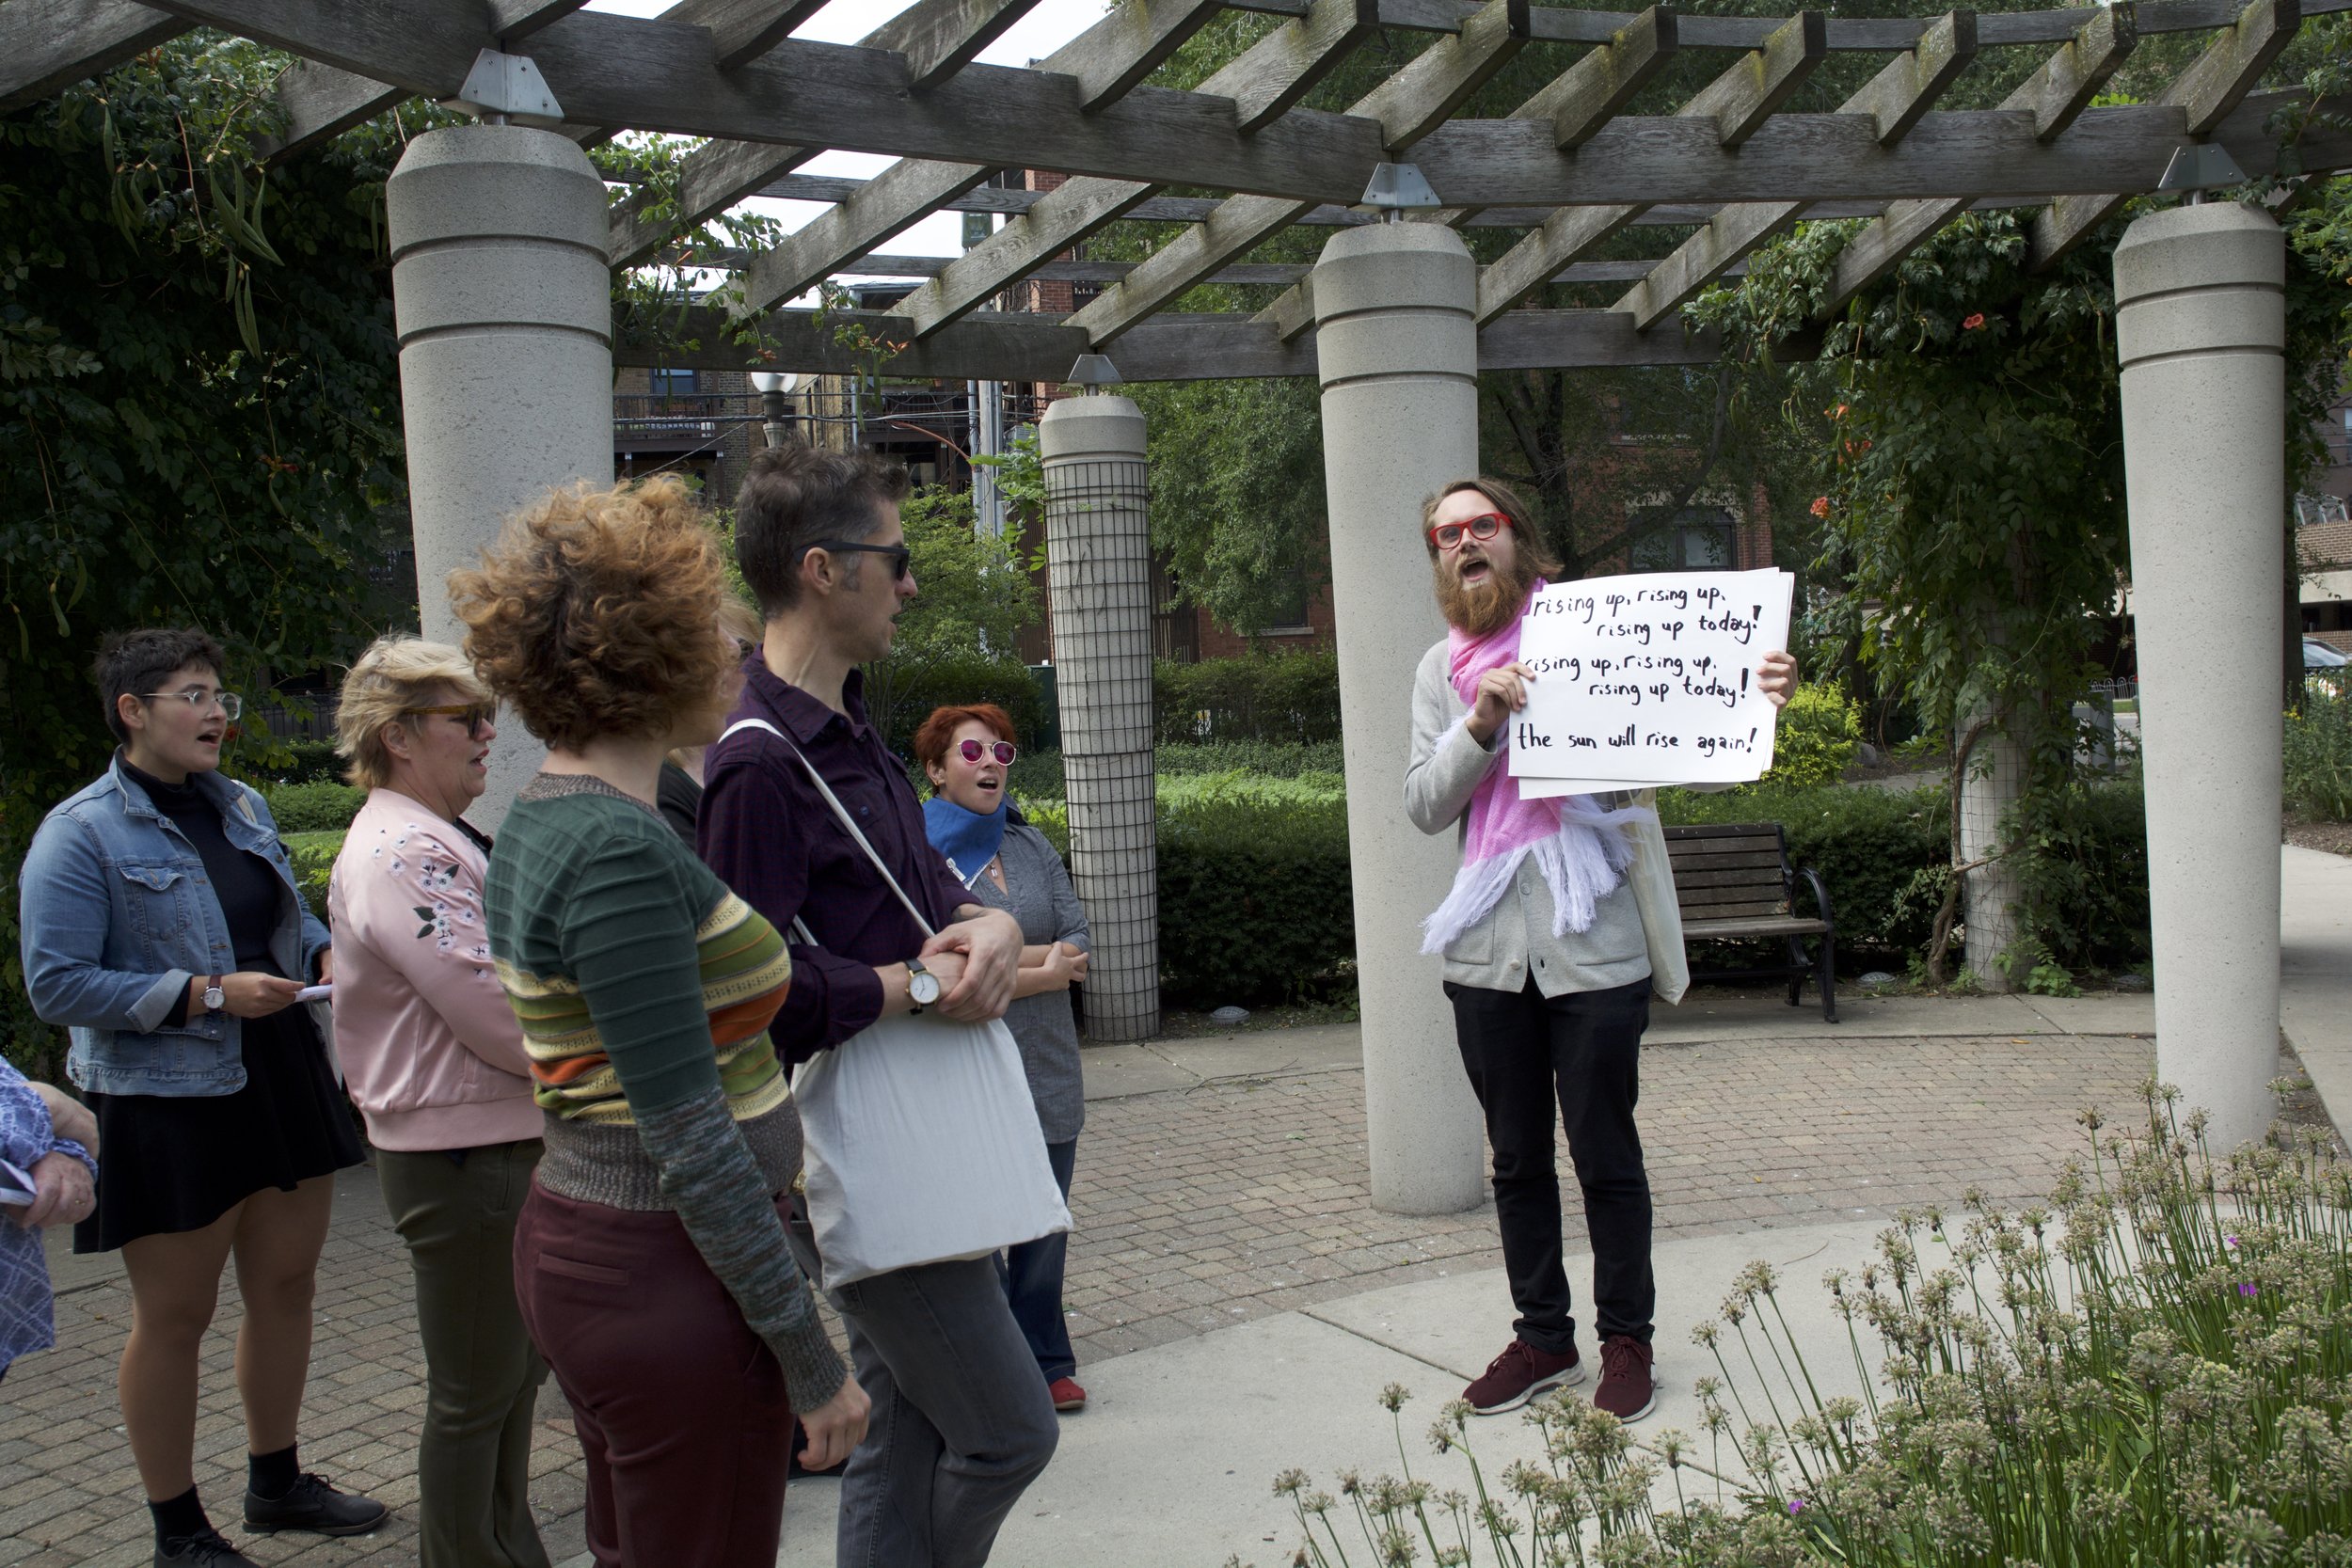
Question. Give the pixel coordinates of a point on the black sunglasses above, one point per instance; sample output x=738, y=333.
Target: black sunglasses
x=899, y=555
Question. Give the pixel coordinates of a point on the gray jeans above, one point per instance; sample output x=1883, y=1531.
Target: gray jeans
x=961, y=1423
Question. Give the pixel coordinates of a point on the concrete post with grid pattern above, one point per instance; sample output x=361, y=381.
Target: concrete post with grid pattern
x=2201, y=334
x=1397, y=346
x=1098, y=552
x=503, y=306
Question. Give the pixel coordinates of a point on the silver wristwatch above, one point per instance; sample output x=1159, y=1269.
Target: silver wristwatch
x=214, y=996
x=922, y=985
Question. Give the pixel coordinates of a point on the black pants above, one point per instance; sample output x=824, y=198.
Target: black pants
x=1521, y=1051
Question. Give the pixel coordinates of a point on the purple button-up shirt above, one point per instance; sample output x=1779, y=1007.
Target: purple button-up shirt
x=770, y=836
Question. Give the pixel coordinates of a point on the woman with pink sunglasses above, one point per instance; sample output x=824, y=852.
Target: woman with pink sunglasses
x=968, y=754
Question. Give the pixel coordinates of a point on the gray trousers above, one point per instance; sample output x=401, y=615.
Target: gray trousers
x=961, y=1423
x=482, y=1375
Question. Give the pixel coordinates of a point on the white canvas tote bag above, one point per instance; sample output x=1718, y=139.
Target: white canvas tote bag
x=922, y=1141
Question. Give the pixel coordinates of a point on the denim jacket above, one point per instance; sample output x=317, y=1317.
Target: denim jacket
x=119, y=917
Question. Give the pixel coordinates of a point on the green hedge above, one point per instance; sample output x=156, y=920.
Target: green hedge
x=1291, y=698
x=313, y=857
x=321, y=805
x=1007, y=683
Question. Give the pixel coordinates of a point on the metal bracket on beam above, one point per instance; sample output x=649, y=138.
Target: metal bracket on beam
x=1093, y=371
x=2199, y=168
x=508, y=89
x=1397, y=188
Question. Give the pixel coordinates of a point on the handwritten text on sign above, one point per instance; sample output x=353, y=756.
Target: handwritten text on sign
x=1650, y=677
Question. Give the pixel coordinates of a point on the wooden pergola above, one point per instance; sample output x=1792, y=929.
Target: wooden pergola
x=1568, y=168
x=504, y=239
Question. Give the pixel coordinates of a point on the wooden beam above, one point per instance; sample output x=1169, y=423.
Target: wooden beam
x=1894, y=99
x=2054, y=95
x=319, y=102
x=1763, y=78
x=936, y=36
x=47, y=47
x=660, y=76
x=1584, y=98
x=1111, y=58
x=1407, y=106
x=513, y=21
x=1744, y=98
x=1264, y=80
x=2215, y=83
x=987, y=346
x=742, y=31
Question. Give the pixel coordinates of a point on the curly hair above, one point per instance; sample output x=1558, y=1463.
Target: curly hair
x=597, y=613
x=931, y=741
x=398, y=674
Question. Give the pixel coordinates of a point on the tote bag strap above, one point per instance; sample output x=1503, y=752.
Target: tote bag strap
x=840, y=811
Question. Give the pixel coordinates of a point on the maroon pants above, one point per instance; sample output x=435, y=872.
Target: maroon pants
x=680, y=1407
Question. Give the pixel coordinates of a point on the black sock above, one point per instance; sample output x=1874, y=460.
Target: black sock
x=179, y=1518
x=270, y=1476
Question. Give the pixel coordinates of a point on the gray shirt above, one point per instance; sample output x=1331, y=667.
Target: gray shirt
x=1037, y=892
x=1514, y=944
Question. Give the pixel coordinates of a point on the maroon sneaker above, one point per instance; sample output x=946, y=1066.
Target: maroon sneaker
x=1626, y=1391
x=1519, y=1375
x=1066, y=1394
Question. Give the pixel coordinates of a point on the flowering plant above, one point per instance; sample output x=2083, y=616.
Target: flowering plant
x=2153, y=1369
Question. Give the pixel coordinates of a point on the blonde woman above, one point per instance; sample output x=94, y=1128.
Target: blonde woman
x=435, y=1061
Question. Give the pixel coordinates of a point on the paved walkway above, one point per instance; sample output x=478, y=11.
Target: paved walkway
x=1236, y=1298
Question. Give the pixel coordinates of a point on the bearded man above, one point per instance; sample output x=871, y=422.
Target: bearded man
x=1545, y=962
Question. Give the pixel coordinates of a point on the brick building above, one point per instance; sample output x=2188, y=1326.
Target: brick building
x=2323, y=534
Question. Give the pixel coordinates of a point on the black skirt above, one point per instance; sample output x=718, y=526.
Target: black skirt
x=178, y=1162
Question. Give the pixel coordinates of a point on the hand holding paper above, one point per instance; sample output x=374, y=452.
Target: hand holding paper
x=1647, y=679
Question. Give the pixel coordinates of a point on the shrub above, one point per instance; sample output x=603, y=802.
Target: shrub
x=1269, y=759
x=2147, y=1370
x=1291, y=698
x=1868, y=845
x=914, y=692
x=2319, y=757
x=315, y=807
x=314, y=858
x=1817, y=735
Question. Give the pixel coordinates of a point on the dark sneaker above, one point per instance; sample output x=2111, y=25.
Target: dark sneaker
x=1066, y=1394
x=204, y=1549
x=315, y=1507
x=1626, y=1391
x=1519, y=1375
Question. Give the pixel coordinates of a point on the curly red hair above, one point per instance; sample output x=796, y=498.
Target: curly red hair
x=598, y=612
x=931, y=741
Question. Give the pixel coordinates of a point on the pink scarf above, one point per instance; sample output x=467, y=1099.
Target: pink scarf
x=1574, y=842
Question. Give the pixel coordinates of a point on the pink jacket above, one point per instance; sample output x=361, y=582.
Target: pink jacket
x=429, y=1045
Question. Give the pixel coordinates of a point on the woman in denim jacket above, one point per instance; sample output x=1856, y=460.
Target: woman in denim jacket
x=162, y=925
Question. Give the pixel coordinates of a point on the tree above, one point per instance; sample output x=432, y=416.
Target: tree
x=197, y=387
x=972, y=600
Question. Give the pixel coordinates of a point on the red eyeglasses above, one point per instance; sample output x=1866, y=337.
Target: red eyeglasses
x=1448, y=536
x=973, y=751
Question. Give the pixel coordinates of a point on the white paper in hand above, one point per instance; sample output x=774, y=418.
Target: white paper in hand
x=1650, y=676
x=17, y=1187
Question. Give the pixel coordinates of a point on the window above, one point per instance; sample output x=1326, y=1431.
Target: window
x=666, y=383
x=1700, y=539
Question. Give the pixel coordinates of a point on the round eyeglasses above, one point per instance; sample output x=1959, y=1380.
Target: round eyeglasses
x=199, y=698
x=973, y=751
x=1448, y=536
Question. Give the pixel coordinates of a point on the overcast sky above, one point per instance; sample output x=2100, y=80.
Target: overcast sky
x=1045, y=28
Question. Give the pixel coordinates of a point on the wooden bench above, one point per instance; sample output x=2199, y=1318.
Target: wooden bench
x=1733, y=880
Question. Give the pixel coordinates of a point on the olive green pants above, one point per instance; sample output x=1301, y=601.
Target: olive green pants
x=482, y=1375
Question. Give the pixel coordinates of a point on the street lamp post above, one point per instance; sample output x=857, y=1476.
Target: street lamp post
x=771, y=385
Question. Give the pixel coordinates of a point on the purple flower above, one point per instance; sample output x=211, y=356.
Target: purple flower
x=2229, y=1242
x=2248, y=1287
x=1795, y=1504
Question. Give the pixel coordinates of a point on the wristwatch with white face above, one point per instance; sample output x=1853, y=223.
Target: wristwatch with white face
x=215, y=997
x=922, y=985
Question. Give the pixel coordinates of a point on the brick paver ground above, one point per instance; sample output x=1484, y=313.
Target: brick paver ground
x=1195, y=1210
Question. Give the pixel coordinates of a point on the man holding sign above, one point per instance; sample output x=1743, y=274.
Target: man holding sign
x=1547, y=963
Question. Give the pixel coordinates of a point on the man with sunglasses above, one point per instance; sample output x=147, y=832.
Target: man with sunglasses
x=958, y=1430
x=1546, y=963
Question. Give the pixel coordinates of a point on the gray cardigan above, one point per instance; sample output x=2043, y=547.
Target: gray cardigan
x=1039, y=895
x=1514, y=943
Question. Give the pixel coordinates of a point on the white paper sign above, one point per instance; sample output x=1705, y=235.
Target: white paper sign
x=1649, y=678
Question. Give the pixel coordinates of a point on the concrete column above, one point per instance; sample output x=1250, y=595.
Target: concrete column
x=503, y=303
x=1098, y=552
x=2200, y=330
x=1398, y=352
